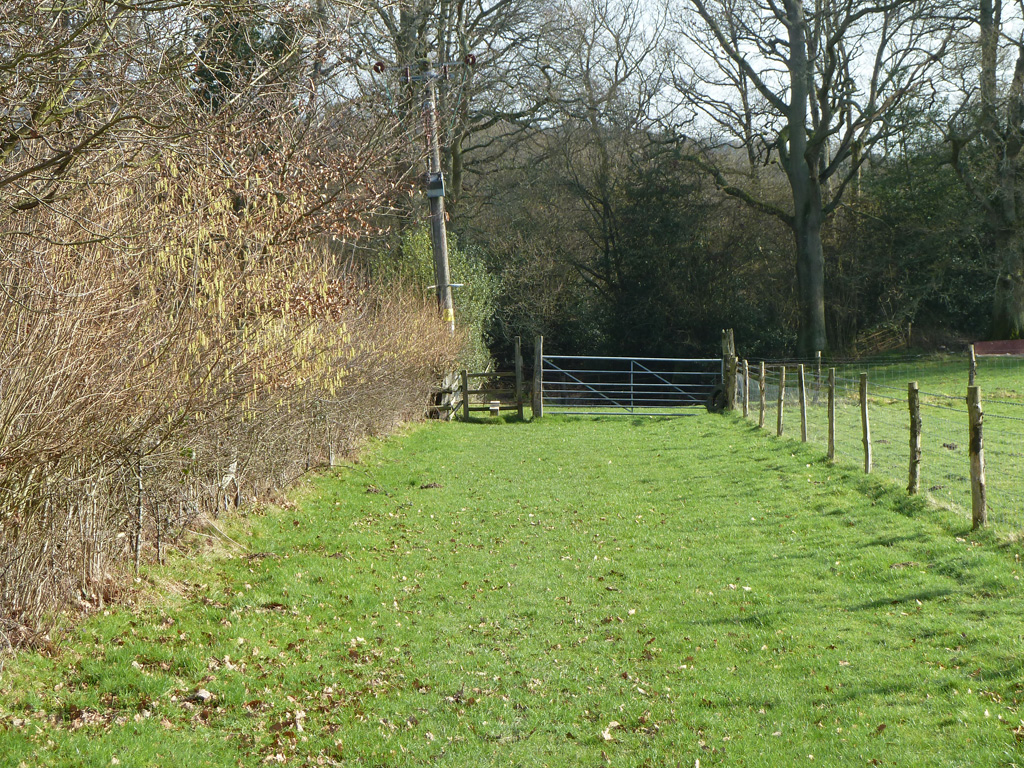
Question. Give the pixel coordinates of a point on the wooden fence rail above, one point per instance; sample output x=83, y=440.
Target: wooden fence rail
x=504, y=390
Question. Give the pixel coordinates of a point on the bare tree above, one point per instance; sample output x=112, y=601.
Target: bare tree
x=508, y=40
x=986, y=137
x=75, y=75
x=603, y=88
x=811, y=85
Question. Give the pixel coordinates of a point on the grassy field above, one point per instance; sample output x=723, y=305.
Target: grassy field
x=945, y=467
x=597, y=592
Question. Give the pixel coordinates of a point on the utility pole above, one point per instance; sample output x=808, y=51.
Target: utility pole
x=427, y=75
x=435, y=197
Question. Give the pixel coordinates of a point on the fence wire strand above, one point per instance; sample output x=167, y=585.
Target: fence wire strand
x=945, y=474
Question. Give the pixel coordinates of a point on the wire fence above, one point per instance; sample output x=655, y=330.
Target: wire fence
x=945, y=468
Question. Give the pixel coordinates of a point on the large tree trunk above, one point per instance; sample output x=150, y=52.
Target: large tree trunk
x=810, y=265
x=801, y=169
x=1005, y=140
x=1008, y=304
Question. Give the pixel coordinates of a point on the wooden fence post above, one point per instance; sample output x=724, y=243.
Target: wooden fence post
x=914, y=403
x=817, y=375
x=746, y=389
x=864, y=423
x=831, y=414
x=728, y=369
x=803, y=403
x=782, y=399
x=538, y=378
x=730, y=382
x=738, y=381
x=972, y=370
x=465, y=394
x=728, y=342
x=519, y=376
x=763, y=392
x=979, y=510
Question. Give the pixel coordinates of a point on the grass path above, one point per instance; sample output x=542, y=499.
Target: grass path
x=562, y=593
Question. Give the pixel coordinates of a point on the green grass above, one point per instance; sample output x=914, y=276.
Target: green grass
x=497, y=593
x=945, y=467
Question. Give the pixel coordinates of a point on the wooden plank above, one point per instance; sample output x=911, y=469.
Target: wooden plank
x=491, y=374
x=510, y=393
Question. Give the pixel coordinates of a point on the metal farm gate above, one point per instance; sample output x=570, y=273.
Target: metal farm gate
x=624, y=386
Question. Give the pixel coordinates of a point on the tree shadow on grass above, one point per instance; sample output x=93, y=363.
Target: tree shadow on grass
x=911, y=598
x=889, y=541
x=759, y=620
x=502, y=420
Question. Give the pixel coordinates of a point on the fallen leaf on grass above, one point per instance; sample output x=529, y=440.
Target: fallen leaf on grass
x=202, y=696
x=606, y=734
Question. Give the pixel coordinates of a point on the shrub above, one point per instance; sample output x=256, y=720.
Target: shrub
x=191, y=353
